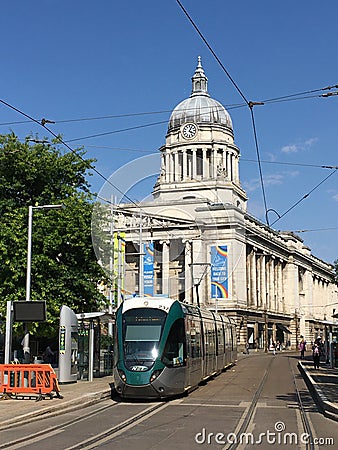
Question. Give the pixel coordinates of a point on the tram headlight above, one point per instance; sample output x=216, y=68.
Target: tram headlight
x=122, y=375
x=154, y=375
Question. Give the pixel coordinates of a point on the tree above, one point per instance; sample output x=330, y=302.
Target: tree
x=64, y=268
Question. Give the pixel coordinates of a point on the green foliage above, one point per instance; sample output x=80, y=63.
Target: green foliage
x=64, y=267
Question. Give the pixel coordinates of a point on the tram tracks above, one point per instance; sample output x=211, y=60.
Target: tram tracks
x=93, y=441
x=118, y=429
x=243, y=424
x=52, y=430
x=248, y=415
x=249, y=422
x=305, y=421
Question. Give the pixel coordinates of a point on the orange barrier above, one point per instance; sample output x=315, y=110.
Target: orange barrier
x=27, y=379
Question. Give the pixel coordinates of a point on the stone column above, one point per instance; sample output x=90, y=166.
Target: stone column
x=253, y=280
x=176, y=166
x=213, y=171
x=185, y=165
x=232, y=167
x=206, y=168
x=167, y=166
x=229, y=166
x=171, y=165
x=165, y=268
x=263, y=282
x=236, y=173
x=224, y=162
x=280, y=301
x=194, y=164
x=271, y=285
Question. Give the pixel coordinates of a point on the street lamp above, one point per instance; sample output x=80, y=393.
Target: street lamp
x=25, y=342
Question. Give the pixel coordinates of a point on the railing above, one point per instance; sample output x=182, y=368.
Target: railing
x=28, y=379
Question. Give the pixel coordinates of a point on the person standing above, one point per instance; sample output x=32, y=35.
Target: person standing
x=302, y=348
x=274, y=347
x=316, y=355
x=247, y=347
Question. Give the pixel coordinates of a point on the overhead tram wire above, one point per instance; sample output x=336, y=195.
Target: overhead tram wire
x=317, y=166
x=305, y=196
x=248, y=103
x=43, y=122
x=127, y=211
x=297, y=96
x=117, y=131
x=285, y=98
x=315, y=229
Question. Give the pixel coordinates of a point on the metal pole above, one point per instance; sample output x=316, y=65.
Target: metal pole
x=119, y=270
x=29, y=253
x=265, y=331
x=25, y=341
x=91, y=352
x=141, y=273
x=111, y=268
x=8, y=338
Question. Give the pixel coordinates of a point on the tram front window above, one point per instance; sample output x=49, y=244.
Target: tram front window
x=142, y=329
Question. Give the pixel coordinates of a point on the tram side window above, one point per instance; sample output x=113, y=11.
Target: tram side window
x=220, y=339
x=196, y=340
x=175, y=352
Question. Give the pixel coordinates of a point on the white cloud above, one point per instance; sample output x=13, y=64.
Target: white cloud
x=273, y=179
x=293, y=173
x=290, y=148
x=335, y=197
x=269, y=180
x=298, y=147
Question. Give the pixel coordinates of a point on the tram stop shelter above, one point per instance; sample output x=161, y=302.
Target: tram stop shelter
x=95, y=344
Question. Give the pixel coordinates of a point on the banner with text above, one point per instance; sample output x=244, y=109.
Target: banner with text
x=219, y=271
x=148, y=269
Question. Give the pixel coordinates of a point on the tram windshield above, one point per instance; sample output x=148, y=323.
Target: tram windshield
x=142, y=330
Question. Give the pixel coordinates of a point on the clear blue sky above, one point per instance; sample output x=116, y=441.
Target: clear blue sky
x=65, y=60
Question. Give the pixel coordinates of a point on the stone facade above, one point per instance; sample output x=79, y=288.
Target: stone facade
x=275, y=289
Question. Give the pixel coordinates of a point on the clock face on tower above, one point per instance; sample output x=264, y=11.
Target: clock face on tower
x=189, y=130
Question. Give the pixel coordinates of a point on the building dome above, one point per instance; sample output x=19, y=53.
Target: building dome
x=199, y=107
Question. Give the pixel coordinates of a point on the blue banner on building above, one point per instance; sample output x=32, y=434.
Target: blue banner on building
x=148, y=269
x=219, y=271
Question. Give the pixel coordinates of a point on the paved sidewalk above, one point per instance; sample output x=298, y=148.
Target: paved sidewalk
x=75, y=396
x=323, y=384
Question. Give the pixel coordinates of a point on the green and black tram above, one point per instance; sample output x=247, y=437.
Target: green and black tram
x=164, y=347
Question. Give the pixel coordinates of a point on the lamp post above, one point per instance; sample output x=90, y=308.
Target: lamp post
x=25, y=342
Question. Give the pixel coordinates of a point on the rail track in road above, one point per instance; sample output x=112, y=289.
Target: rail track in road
x=244, y=424
x=261, y=393
x=91, y=442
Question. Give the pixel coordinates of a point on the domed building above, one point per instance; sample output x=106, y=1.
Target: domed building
x=200, y=158
x=197, y=243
